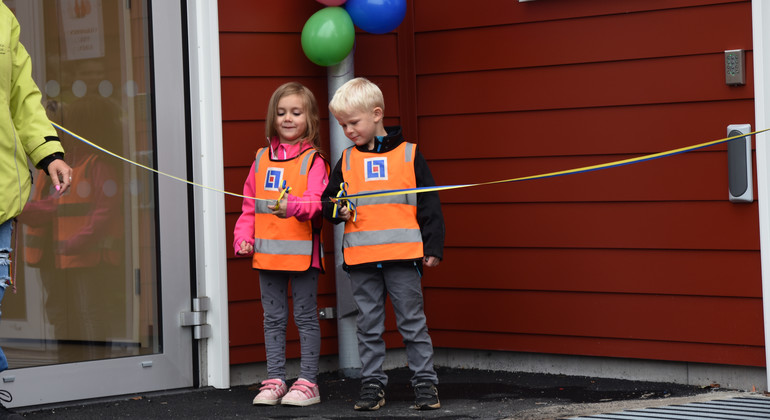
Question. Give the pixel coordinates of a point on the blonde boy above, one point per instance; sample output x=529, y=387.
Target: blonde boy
x=387, y=240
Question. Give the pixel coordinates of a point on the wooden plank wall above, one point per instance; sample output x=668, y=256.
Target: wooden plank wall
x=260, y=49
x=644, y=261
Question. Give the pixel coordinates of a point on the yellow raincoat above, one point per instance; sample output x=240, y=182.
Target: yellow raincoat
x=24, y=127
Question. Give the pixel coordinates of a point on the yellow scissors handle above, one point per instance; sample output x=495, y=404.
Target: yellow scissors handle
x=284, y=190
x=341, y=194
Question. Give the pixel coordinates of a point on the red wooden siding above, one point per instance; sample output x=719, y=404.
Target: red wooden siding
x=636, y=261
x=260, y=49
x=646, y=261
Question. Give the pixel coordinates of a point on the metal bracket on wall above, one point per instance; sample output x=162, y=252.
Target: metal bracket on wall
x=328, y=312
x=197, y=318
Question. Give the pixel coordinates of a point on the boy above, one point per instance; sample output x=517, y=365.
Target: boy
x=387, y=239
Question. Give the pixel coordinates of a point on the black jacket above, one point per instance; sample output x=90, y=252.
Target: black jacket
x=429, y=215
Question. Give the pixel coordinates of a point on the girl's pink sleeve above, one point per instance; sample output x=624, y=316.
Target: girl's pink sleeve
x=309, y=205
x=244, y=227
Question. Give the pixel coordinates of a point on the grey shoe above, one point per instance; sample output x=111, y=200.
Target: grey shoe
x=372, y=396
x=426, y=396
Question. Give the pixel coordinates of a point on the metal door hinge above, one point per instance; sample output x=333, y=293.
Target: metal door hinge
x=197, y=318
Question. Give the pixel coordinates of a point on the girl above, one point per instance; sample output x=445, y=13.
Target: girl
x=281, y=228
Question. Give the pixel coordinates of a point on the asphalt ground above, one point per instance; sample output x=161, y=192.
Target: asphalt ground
x=464, y=394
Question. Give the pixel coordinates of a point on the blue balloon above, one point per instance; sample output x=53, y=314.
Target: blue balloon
x=376, y=16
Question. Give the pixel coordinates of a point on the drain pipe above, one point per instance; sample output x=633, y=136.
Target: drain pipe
x=349, y=362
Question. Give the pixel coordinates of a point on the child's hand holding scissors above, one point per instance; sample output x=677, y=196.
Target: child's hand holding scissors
x=343, y=212
x=280, y=208
x=280, y=205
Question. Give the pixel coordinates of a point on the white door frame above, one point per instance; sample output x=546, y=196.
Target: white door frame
x=760, y=16
x=208, y=168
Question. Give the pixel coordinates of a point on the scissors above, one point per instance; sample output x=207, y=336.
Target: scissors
x=343, y=192
x=284, y=190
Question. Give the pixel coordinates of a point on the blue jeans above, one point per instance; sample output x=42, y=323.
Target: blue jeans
x=6, y=230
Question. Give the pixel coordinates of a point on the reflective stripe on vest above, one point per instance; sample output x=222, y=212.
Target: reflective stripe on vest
x=281, y=244
x=391, y=236
x=281, y=247
x=386, y=228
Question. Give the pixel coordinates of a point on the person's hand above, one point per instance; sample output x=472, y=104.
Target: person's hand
x=430, y=261
x=246, y=248
x=61, y=175
x=280, y=211
x=343, y=213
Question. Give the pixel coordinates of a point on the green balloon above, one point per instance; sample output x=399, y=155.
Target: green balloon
x=328, y=36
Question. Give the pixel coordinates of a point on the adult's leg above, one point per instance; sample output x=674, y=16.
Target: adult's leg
x=6, y=233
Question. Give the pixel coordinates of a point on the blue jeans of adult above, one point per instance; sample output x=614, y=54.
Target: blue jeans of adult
x=6, y=230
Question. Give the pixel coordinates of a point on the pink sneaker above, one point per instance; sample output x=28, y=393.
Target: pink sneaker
x=270, y=393
x=302, y=393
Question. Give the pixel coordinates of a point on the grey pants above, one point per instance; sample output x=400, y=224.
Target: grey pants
x=402, y=283
x=275, y=303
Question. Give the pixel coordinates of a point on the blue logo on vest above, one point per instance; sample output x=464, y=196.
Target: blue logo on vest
x=376, y=169
x=273, y=179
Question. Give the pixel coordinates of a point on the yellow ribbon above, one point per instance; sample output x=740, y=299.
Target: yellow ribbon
x=96, y=146
x=559, y=173
x=342, y=195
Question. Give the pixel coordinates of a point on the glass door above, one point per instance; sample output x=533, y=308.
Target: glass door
x=102, y=272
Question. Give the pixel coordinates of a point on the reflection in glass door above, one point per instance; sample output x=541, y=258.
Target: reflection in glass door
x=87, y=263
x=88, y=270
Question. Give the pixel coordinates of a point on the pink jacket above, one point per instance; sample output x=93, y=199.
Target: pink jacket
x=307, y=207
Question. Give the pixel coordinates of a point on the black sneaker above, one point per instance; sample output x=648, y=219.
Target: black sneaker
x=426, y=396
x=372, y=396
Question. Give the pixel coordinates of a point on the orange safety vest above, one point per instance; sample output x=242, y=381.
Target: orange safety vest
x=72, y=213
x=37, y=239
x=386, y=228
x=281, y=244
